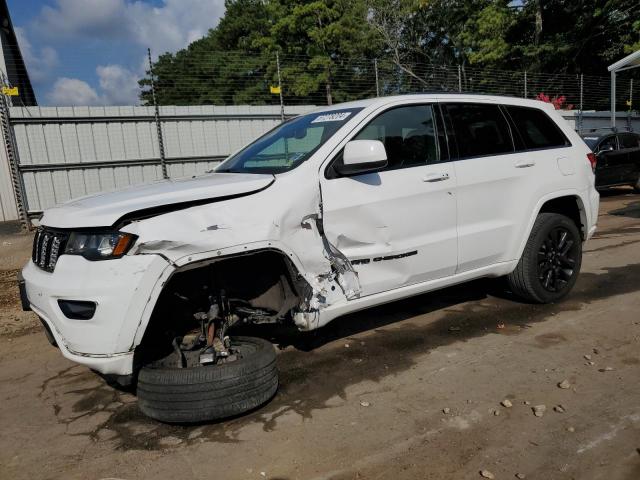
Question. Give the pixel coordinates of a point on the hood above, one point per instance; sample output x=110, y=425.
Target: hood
x=122, y=206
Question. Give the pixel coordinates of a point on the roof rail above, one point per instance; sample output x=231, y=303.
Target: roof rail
x=605, y=130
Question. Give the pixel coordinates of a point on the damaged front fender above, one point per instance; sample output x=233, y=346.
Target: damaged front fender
x=287, y=218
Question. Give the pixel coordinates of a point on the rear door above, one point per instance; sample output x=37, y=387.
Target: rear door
x=396, y=226
x=507, y=158
x=489, y=185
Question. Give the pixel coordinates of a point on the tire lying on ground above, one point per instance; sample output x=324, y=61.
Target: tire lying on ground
x=210, y=392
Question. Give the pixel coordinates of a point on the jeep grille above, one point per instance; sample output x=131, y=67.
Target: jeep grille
x=47, y=247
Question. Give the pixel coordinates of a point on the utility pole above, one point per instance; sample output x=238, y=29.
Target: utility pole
x=375, y=67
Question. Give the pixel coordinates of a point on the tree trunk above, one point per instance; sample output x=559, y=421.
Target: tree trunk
x=328, y=87
x=538, y=31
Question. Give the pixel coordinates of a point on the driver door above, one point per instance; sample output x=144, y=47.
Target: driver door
x=396, y=226
x=610, y=162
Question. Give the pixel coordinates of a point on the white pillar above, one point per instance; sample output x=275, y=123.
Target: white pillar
x=613, y=99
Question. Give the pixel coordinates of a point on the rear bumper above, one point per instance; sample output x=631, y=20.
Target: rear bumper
x=594, y=207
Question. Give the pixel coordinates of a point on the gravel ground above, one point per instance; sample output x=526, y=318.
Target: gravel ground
x=409, y=390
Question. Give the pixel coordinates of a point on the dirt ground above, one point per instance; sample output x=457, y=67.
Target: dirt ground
x=408, y=390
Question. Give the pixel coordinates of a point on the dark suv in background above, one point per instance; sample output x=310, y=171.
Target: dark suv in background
x=618, y=157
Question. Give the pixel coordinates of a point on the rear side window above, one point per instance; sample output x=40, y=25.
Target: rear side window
x=628, y=140
x=479, y=129
x=536, y=129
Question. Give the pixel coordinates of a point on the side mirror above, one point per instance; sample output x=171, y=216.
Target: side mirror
x=608, y=148
x=362, y=156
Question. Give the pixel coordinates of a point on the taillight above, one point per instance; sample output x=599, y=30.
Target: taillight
x=592, y=160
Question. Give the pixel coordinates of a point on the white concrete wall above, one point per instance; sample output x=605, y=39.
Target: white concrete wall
x=67, y=152
x=602, y=120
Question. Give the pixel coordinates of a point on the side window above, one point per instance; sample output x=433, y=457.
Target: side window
x=408, y=134
x=628, y=140
x=609, y=143
x=479, y=129
x=536, y=129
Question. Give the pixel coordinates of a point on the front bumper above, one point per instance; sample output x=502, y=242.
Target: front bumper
x=114, y=364
x=24, y=300
x=124, y=290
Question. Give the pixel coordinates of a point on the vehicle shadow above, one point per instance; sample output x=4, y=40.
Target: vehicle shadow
x=382, y=341
x=380, y=316
x=631, y=210
x=615, y=192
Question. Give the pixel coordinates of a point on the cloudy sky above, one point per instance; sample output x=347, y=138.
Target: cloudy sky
x=92, y=52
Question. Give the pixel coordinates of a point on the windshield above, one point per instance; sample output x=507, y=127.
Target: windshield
x=288, y=145
x=591, y=141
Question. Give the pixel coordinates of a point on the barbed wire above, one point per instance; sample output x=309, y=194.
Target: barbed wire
x=240, y=78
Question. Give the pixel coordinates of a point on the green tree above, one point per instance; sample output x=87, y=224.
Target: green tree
x=327, y=47
x=317, y=42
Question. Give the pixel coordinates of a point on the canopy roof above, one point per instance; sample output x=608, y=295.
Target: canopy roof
x=628, y=62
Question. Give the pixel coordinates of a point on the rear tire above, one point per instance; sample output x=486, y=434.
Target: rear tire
x=211, y=392
x=551, y=261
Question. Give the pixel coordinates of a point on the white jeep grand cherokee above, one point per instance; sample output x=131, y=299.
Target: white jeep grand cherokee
x=338, y=210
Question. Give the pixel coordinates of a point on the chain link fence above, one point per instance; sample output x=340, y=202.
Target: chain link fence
x=232, y=78
x=191, y=114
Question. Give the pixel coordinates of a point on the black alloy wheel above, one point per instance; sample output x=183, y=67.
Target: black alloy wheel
x=551, y=260
x=557, y=259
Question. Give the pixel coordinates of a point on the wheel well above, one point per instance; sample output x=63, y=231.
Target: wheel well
x=264, y=283
x=568, y=206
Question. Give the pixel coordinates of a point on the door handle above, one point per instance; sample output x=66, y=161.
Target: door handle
x=525, y=164
x=436, y=177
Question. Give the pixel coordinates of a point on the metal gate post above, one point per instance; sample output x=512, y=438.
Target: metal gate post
x=375, y=68
x=12, y=157
x=163, y=162
x=280, y=88
x=629, y=126
x=613, y=100
x=580, y=119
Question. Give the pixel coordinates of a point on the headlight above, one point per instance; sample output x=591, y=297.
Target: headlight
x=99, y=245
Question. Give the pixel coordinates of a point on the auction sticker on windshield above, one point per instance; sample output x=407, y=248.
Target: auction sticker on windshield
x=331, y=117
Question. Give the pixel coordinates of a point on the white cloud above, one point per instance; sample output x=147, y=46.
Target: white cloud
x=118, y=84
x=72, y=18
x=72, y=91
x=39, y=63
x=169, y=27
x=136, y=24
